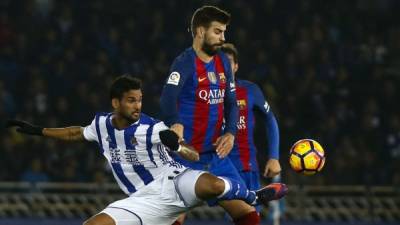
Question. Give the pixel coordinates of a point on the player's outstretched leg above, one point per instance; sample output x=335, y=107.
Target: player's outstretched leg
x=194, y=186
x=209, y=186
x=263, y=196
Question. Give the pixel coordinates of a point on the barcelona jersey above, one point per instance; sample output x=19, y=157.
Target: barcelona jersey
x=249, y=100
x=200, y=95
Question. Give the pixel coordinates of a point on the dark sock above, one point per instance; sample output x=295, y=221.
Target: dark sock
x=251, y=218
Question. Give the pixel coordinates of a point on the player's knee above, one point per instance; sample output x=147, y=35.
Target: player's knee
x=209, y=186
x=217, y=186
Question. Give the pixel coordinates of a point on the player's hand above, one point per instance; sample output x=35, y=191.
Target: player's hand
x=272, y=168
x=224, y=144
x=25, y=127
x=178, y=129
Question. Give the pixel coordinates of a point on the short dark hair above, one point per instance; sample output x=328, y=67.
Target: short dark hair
x=124, y=84
x=229, y=48
x=204, y=15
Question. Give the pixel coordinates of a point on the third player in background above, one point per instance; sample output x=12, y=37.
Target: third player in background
x=244, y=152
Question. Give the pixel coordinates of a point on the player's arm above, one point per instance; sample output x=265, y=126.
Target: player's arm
x=170, y=139
x=272, y=167
x=179, y=72
x=225, y=143
x=231, y=111
x=74, y=133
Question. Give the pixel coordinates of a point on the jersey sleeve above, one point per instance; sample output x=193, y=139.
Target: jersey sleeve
x=270, y=122
x=155, y=137
x=180, y=70
x=231, y=111
x=89, y=132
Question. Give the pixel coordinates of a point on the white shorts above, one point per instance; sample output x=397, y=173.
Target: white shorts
x=160, y=202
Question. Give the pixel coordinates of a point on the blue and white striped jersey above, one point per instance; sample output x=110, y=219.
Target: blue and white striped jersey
x=135, y=153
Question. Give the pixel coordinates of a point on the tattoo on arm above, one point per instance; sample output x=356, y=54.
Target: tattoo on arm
x=66, y=134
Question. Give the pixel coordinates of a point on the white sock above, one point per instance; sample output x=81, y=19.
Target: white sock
x=227, y=187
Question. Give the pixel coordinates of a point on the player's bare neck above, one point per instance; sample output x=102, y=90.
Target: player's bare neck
x=119, y=122
x=201, y=54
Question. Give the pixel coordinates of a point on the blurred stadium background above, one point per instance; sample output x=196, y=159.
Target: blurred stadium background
x=330, y=70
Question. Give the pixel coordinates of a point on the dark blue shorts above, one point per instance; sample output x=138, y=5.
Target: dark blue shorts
x=252, y=179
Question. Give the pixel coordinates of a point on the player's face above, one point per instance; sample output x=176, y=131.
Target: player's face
x=213, y=38
x=234, y=66
x=130, y=105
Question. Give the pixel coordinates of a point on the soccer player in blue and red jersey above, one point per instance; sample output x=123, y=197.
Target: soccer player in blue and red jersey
x=198, y=95
x=244, y=152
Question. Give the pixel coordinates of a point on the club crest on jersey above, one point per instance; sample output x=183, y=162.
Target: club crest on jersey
x=241, y=104
x=222, y=77
x=134, y=141
x=211, y=76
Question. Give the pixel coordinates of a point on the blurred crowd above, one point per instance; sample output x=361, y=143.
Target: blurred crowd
x=329, y=69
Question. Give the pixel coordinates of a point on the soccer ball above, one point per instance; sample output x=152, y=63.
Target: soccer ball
x=307, y=157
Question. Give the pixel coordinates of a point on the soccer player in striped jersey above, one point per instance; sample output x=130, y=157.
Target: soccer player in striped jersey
x=244, y=152
x=198, y=95
x=159, y=188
